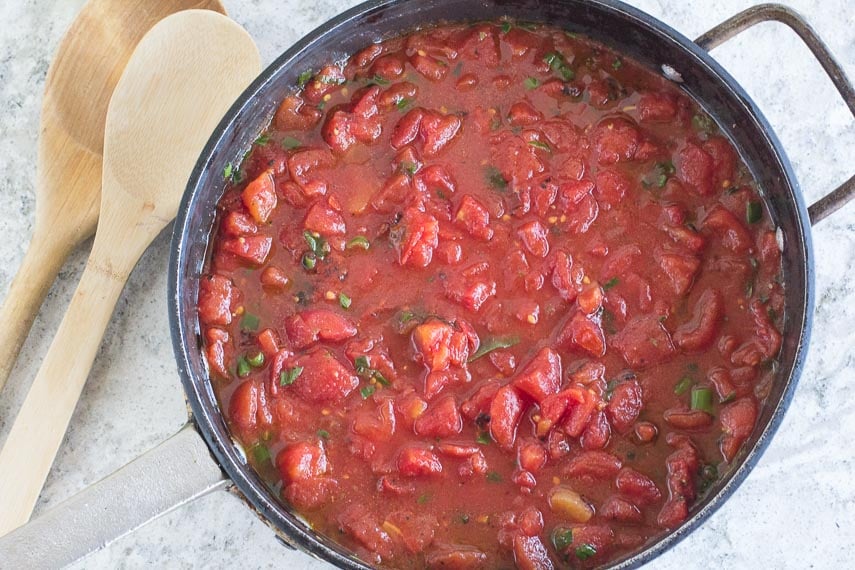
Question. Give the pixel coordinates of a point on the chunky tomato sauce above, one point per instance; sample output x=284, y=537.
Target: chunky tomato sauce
x=491, y=296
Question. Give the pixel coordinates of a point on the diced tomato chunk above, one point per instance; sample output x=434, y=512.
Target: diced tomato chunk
x=418, y=462
x=359, y=523
x=644, y=342
x=302, y=460
x=620, y=510
x=475, y=218
x=541, y=377
x=680, y=270
x=615, y=140
x=259, y=197
x=585, y=333
x=309, y=326
x=737, y=423
x=695, y=168
x=432, y=340
x=248, y=408
x=294, y=115
x=533, y=236
x=310, y=494
x=530, y=553
x=531, y=455
x=457, y=557
x=595, y=464
x=321, y=377
x=505, y=413
x=416, y=531
x=324, y=220
x=236, y=224
x=438, y=131
x=442, y=419
x=523, y=113
x=254, y=249
x=216, y=295
x=218, y=351
x=376, y=423
x=637, y=486
x=611, y=188
x=657, y=107
x=479, y=403
x=419, y=240
x=700, y=332
x=625, y=405
x=732, y=233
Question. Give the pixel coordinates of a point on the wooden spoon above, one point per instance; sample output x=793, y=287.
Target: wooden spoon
x=178, y=84
x=79, y=83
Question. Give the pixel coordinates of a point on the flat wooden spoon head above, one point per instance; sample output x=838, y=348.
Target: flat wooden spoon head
x=179, y=82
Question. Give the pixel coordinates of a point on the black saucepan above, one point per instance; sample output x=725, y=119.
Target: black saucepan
x=181, y=469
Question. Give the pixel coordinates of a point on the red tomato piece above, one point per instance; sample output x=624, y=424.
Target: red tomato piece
x=294, y=115
x=611, y=188
x=479, y=403
x=625, y=405
x=599, y=465
x=419, y=240
x=534, y=238
x=615, y=140
x=644, y=342
x=638, y=486
x=302, y=461
x=737, y=423
x=218, y=351
x=657, y=107
x=254, y=249
x=541, y=377
x=310, y=494
x=358, y=522
x=323, y=379
x=376, y=423
x=732, y=233
x=505, y=413
x=522, y=113
x=474, y=218
x=584, y=333
x=442, y=419
x=457, y=557
x=432, y=340
x=695, y=168
x=579, y=414
x=324, y=220
x=680, y=270
x=597, y=433
x=236, y=224
x=416, y=531
x=216, y=295
x=259, y=197
x=531, y=455
x=621, y=510
x=530, y=553
x=309, y=326
x=429, y=67
x=700, y=332
x=437, y=131
x=418, y=462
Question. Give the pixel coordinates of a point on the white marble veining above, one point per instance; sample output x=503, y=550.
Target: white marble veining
x=795, y=510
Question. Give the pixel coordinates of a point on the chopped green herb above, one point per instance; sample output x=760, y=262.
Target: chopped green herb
x=464, y=518
x=457, y=69
x=249, y=322
x=309, y=261
x=495, y=179
x=256, y=360
x=753, y=212
x=290, y=143
x=506, y=27
x=358, y=242
x=664, y=170
x=541, y=145
x=531, y=83
x=610, y=283
x=409, y=168
x=367, y=391
x=585, y=551
x=610, y=388
x=260, y=453
x=494, y=344
x=553, y=59
x=323, y=434
x=377, y=80
x=562, y=538
x=304, y=78
x=617, y=64
x=321, y=105
x=494, y=477
x=380, y=378
x=423, y=498
x=484, y=438
x=361, y=364
x=702, y=399
x=317, y=244
x=683, y=386
x=262, y=140
x=344, y=301
x=403, y=103
x=243, y=367
x=228, y=171
x=567, y=73
x=703, y=122
x=290, y=375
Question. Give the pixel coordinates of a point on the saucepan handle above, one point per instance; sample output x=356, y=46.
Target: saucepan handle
x=776, y=12
x=175, y=472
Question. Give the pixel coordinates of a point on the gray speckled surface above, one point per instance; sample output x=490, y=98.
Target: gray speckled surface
x=795, y=510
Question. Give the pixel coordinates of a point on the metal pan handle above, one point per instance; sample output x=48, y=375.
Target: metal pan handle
x=177, y=471
x=835, y=200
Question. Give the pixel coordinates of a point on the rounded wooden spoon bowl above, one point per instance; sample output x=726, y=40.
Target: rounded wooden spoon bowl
x=177, y=85
x=80, y=81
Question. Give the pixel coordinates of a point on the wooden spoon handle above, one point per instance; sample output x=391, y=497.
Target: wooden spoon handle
x=39, y=428
x=41, y=263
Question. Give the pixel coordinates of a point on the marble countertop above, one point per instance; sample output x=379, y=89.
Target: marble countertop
x=795, y=510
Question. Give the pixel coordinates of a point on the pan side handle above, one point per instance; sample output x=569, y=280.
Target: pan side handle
x=172, y=474
x=843, y=194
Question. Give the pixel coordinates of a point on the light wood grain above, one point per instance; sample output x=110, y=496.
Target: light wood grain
x=179, y=82
x=80, y=81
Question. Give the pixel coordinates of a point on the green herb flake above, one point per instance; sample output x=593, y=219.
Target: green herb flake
x=290, y=375
x=309, y=261
x=260, y=453
x=382, y=380
x=361, y=364
x=409, y=168
x=753, y=212
x=703, y=123
x=249, y=322
x=304, y=78
x=323, y=434
x=228, y=172
x=317, y=244
x=377, y=80
x=494, y=344
x=585, y=551
x=256, y=360
x=617, y=64
x=243, y=367
x=506, y=27
x=664, y=170
x=290, y=143
x=344, y=301
x=702, y=399
x=494, y=477
x=683, y=386
x=484, y=438
x=423, y=498
x=562, y=538
x=553, y=59
x=367, y=391
x=457, y=69
x=403, y=103
x=358, y=242
x=541, y=145
x=567, y=73
x=610, y=283
x=262, y=140
x=495, y=179
x=531, y=83
x=463, y=518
